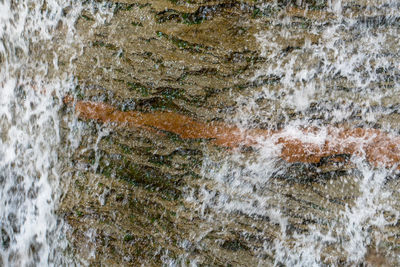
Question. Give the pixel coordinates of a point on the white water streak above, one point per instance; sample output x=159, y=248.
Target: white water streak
x=30, y=100
x=347, y=54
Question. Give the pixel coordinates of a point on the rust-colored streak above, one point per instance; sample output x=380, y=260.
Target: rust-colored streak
x=380, y=148
x=222, y=134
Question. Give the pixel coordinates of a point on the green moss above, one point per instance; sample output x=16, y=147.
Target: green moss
x=138, y=175
x=87, y=17
x=174, y=137
x=79, y=95
x=317, y=207
x=137, y=24
x=79, y=185
x=316, y=4
x=144, y=91
x=182, y=77
x=256, y=13
x=190, y=19
x=108, y=139
x=153, y=219
x=234, y=245
x=119, y=197
x=128, y=237
x=108, y=172
x=159, y=160
x=158, y=102
x=144, y=5
x=160, y=34
x=172, y=93
x=78, y=213
x=126, y=149
x=123, y=7
x=182, y=44
x=106, y=45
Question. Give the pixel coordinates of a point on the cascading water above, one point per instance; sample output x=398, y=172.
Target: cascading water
x=343, y=72
x=340, y=70
x=29, y=166
x=34, y=37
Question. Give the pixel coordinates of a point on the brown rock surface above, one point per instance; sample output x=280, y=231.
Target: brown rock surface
x=176, y=70
x=379, y=148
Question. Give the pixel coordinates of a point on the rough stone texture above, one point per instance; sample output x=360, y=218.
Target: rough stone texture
x=127, y=201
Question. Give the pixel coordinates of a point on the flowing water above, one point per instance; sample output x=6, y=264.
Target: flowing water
x=343, y=72
x=33, y=151
x=30, y=132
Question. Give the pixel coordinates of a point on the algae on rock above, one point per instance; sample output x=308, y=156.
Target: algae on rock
x=127, y=202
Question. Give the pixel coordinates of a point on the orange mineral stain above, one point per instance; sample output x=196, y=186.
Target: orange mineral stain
x=380, y=148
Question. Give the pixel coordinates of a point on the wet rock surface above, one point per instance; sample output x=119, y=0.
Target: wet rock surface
x=146, y=196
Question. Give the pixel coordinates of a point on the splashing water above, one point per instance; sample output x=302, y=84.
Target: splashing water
x=340, y=71
x=34, y=37
x=29, y=133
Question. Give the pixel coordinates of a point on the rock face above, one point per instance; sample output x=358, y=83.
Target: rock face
x=144, y=195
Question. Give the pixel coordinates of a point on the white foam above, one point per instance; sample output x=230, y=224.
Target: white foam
x=30, y=152
x=312, y=75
